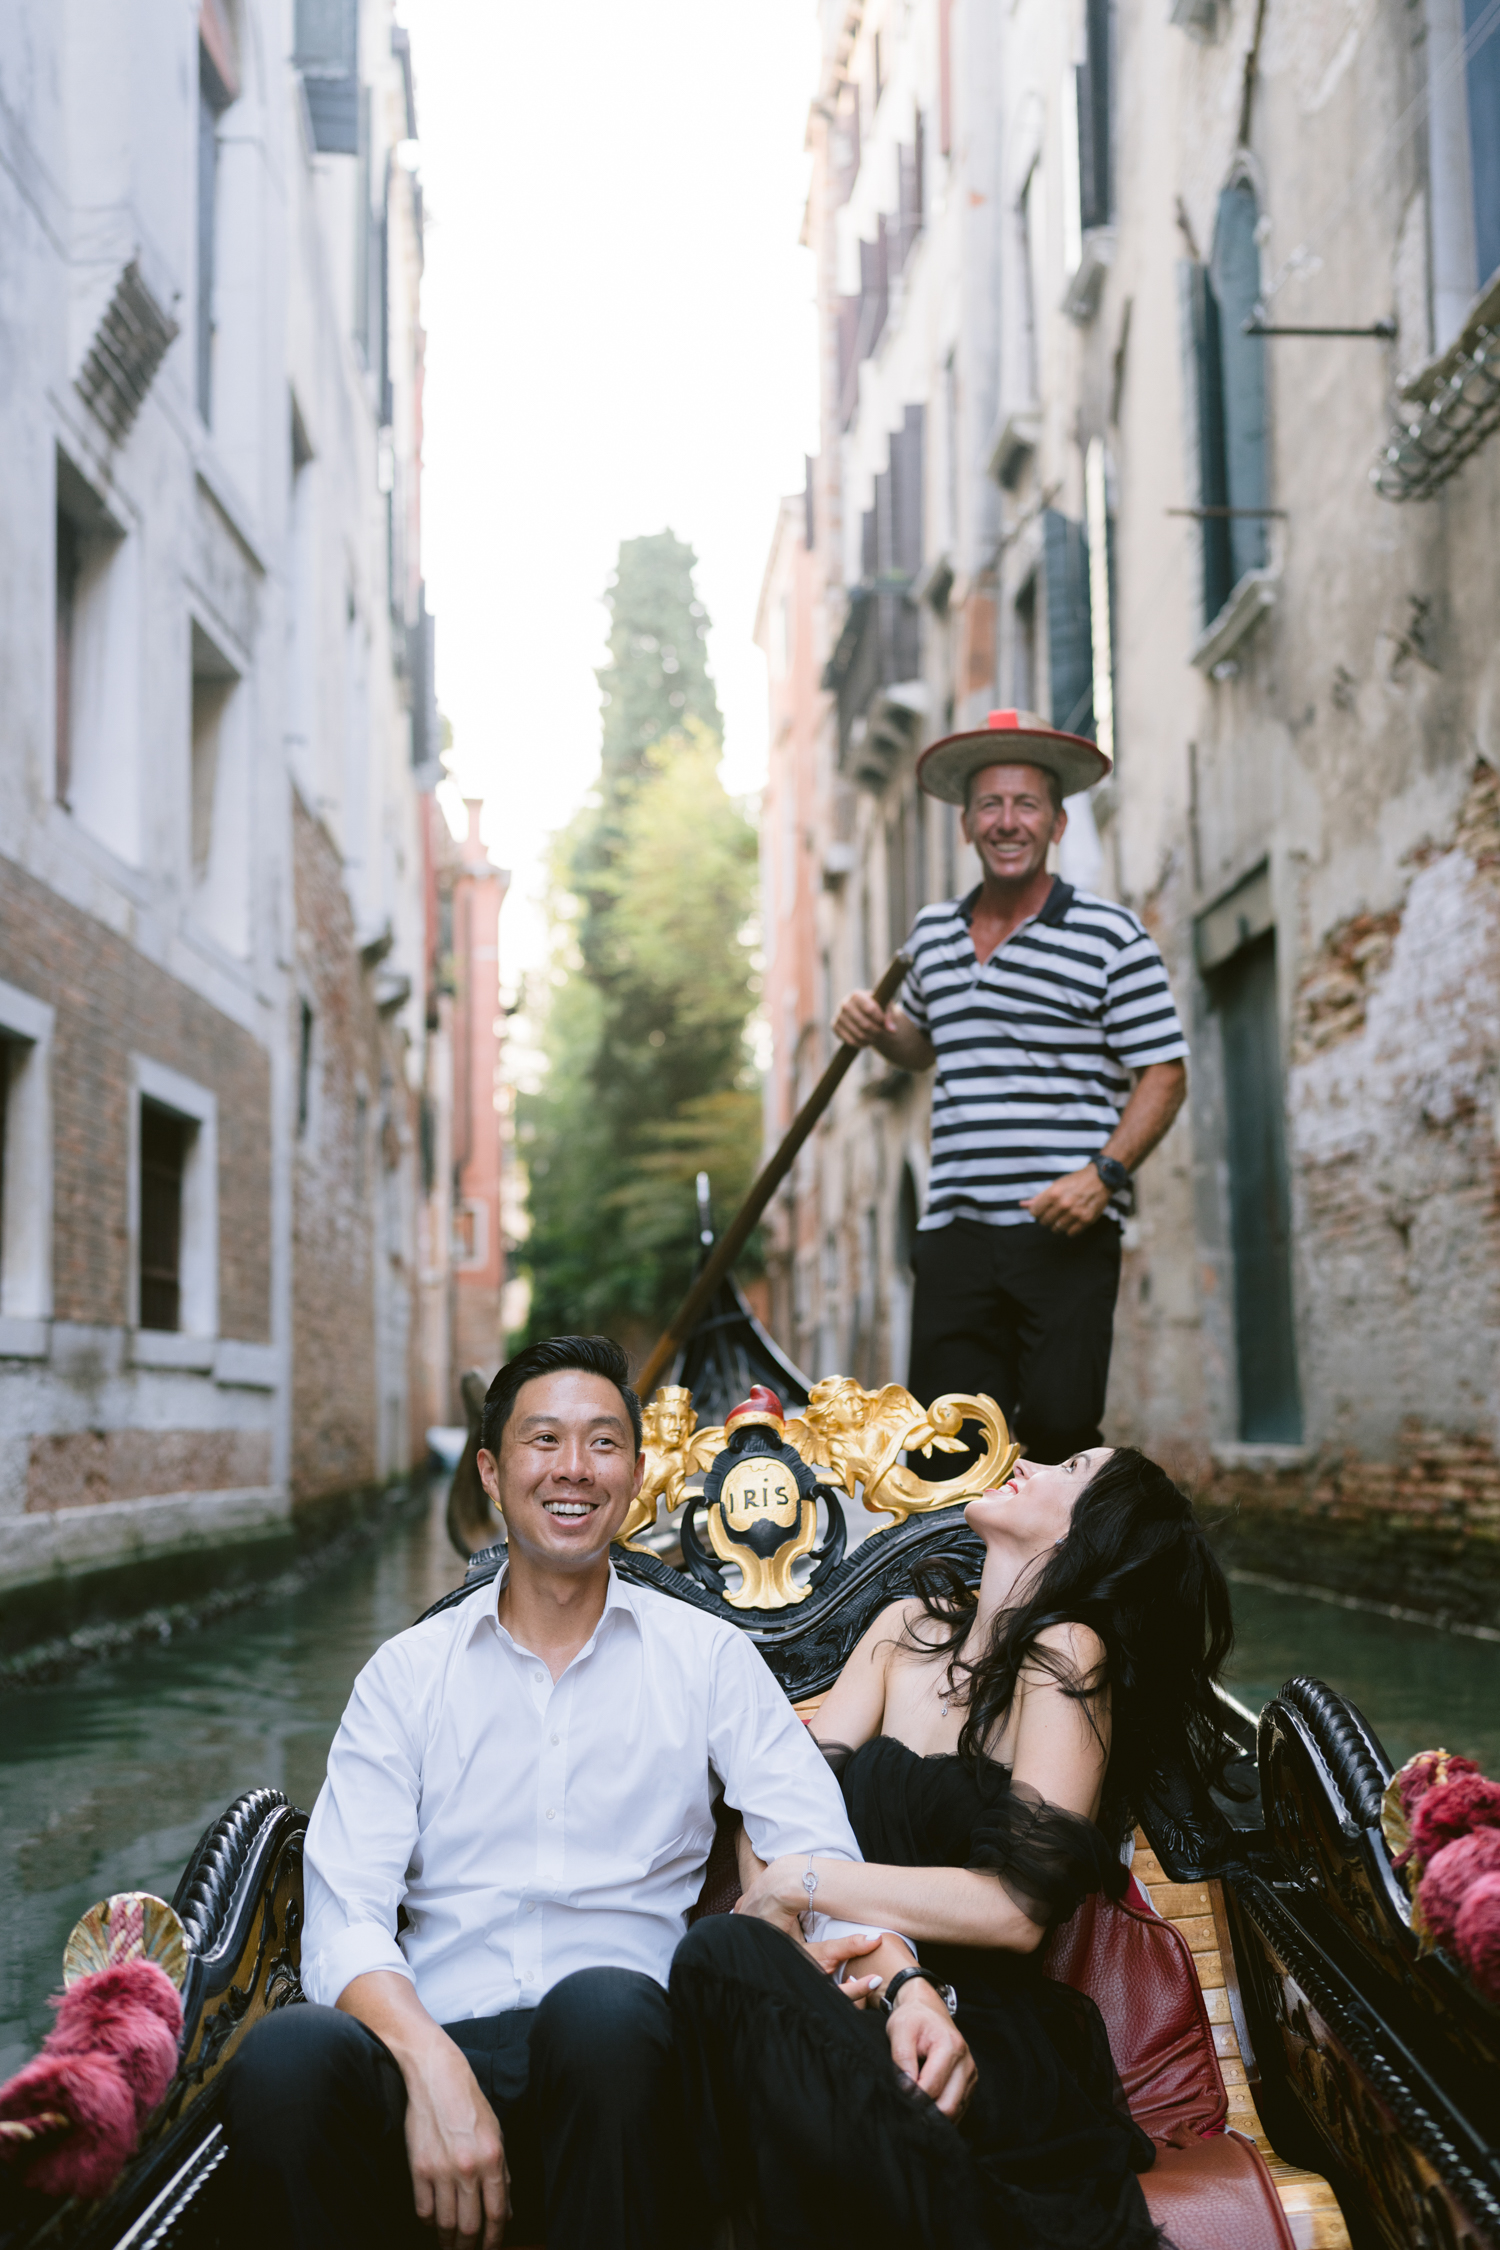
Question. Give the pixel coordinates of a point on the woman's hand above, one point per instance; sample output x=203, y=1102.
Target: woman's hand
x=777, y=1894
x=833, y=1956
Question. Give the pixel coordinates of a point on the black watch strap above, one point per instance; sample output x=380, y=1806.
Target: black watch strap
x=912, y=1975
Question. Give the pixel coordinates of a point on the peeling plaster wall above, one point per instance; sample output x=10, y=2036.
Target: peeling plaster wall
x=1393, y=1126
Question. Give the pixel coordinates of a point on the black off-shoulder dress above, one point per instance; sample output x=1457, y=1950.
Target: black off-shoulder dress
x=796, y=2111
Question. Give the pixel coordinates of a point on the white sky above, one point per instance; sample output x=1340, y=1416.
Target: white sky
x=620, y=337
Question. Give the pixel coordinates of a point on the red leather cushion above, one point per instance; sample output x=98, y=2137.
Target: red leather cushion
x=1216, y=2194
x=1138, y=1971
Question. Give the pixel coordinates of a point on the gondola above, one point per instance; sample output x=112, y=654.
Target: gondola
x=1313, y=2073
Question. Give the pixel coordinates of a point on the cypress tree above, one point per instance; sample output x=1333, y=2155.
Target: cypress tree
x=649, y=1076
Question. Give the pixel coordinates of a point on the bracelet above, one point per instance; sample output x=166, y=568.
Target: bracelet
x=809, y=1884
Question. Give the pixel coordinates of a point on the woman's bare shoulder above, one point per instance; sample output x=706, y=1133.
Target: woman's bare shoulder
x=1077, y=1647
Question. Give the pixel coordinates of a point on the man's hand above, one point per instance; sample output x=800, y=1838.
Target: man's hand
x=1072, y=1204
x=455, y=2149
x=890, y=1031
x=460, y=2182
x=928, y=2048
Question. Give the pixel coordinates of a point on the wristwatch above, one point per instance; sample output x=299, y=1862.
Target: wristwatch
x=945, y=1992
x=1112, y=1172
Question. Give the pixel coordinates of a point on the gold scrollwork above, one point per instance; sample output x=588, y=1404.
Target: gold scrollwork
x=859, y=1436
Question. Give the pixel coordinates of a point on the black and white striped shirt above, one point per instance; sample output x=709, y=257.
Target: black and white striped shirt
x=1035, y=1048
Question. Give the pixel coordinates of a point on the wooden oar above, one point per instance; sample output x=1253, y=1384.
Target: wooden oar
x=737, y=1233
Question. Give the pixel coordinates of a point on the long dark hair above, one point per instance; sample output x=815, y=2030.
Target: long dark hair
x=1137, y=1568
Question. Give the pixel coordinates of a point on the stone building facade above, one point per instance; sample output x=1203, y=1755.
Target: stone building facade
x=217, y=734
x=1171, y=420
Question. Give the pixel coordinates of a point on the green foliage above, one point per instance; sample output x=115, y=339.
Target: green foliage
x=648, y=1077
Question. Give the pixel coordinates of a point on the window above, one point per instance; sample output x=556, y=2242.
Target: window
x=1463, y=137
x=25, y=1157
x=214, y=97
x=305, y=1027
x=64, y=614
x=1243, y=994
x=1095, y=156
x=1033, y=254
x=1023, y=649
x=174, y=1204
x=95, y=666
x=1227, y=396
x=164, y=1146
x=1070, y=657
x=219, y=797
x=327, y=54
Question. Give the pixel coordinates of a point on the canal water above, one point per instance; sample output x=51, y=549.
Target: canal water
x=109, y=1777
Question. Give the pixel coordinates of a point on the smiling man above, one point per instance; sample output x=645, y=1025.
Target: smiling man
x=1038, y=1004
x=517, y=1818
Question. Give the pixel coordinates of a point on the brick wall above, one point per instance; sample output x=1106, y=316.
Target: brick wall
x=1421, y=1530
x=112, y=1002
x=335, y=1405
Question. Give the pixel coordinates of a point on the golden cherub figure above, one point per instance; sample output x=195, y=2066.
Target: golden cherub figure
x=675, y=1449
x=859, y=1434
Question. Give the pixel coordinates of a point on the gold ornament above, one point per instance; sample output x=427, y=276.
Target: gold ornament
x=673, y=1454
x=129, y=1926
x=858, y=1434
x=759, y=1490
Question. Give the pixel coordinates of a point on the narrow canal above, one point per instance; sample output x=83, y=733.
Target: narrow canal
x=108, y=1778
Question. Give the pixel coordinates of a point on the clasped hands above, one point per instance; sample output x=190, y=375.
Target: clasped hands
x=927, y=2046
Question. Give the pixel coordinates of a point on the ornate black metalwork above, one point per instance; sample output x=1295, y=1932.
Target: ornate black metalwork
x=1371, y=2100
x=808, y=1646
x=728, y=1353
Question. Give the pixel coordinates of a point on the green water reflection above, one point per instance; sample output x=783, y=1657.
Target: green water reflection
x=108, y=1779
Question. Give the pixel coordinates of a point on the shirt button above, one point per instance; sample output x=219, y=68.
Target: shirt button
x=551, y=1814
x=556, y=1739
x=531, y=1906
x=537, y=1677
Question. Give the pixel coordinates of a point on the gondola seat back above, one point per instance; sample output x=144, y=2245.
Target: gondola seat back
x=1209, y=2189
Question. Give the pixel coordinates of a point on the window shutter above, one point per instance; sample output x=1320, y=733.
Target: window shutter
x=1234, y=282
x=327, y=54
x=1096, y=200
x=1203, y=391
x=1070, y=644
x=906, y=495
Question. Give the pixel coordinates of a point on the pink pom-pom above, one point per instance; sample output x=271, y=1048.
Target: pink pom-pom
x=86, y=2154
x=1454, y=1809
x=1476, y=1940
x=1449, y=1877
x=132, y=2013
x=138, y=1983
x=1428, y=1772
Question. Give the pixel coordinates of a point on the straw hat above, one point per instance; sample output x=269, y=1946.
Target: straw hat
x=1010, y=738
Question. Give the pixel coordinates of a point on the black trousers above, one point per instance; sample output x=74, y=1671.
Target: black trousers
x=1024, y=1315
x=585, y=2088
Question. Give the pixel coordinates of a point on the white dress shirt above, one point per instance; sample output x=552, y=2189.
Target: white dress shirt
x=531, y=1828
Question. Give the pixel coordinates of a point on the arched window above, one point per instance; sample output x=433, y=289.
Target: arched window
x=1229, y=386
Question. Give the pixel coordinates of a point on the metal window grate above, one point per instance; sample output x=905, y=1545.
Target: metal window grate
x=165, y=1138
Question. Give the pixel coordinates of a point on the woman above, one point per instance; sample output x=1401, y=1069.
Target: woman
x=993, y=1751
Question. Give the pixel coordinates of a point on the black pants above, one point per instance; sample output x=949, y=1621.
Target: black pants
x=1025, y=1315
x=585, y=2088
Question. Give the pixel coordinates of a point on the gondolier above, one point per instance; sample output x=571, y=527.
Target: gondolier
x=1037, y=1003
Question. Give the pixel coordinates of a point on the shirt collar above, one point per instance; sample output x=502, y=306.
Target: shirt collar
x=1051, y=911
x=618, y=1603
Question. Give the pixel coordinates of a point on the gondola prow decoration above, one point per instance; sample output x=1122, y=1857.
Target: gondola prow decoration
x=737, y=1233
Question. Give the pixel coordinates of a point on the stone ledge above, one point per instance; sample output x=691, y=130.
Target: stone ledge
x=24, y=1339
